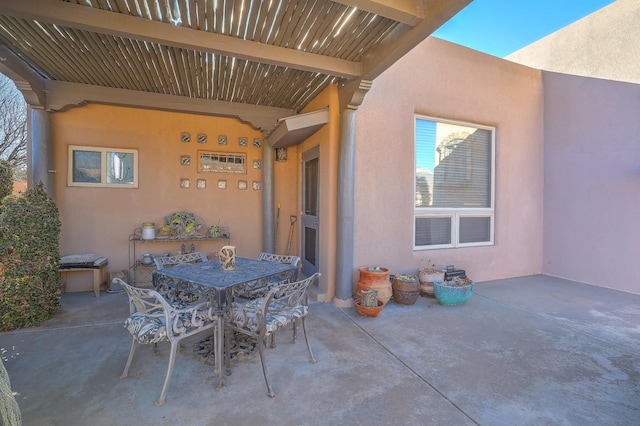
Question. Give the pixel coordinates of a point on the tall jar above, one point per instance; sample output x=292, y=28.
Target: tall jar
x=375, y=277
x=148, y=231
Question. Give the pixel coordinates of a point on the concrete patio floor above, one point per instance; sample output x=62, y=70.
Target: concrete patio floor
x=530, y=350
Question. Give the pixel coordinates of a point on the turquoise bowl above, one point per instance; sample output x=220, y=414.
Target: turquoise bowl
x=452, y=295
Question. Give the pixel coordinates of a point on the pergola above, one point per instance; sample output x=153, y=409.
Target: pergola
x=258, y=61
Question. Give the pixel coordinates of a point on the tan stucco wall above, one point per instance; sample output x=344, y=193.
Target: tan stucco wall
x=604, y=44
x=592, y=181
x=445, y=80
x=101, y=219
x=328, y=140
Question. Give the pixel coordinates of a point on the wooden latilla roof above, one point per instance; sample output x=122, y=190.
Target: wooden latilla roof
x=252, y=57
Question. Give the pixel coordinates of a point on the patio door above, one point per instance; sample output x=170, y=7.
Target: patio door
x=310, y=219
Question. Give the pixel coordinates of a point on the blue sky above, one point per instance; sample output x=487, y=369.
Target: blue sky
x=500, y=27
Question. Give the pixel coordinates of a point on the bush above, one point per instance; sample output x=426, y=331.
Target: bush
x=6, y=179
x=29, y=238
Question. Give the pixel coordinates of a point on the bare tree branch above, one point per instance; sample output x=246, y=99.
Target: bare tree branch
x=13, y=126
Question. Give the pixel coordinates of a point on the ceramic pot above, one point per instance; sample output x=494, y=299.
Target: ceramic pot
x=427, y=277
x=376, y=278
x=365, y=311
x=406, y=289
x=228, y=258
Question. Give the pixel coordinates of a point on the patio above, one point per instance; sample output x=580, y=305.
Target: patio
x=528, y=350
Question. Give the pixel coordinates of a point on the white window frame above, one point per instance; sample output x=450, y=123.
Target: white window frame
x=103, y=167
x=456, y=213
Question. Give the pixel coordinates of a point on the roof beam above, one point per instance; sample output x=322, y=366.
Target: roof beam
x=62, y=96
x=405, y=38
x=126, y=26
x=409, y=12
x=29, y=82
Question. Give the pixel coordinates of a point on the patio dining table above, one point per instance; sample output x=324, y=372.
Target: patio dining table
x=220, y=287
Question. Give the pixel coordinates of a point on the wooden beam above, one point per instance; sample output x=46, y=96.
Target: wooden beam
x=405, y=38
x=126, y=26
x=409, y=12
x=29, y=82
x=62, y=96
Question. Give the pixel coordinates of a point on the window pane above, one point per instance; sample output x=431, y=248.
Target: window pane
x=310, y=245
x=311, y=187
x=453, y=165
x=475, y=229
x=119, y=167
x=87, y=166
x=431, y=231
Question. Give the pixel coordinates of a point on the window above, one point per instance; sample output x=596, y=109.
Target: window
x=454, y=184
x=216, y=162
x=107, y=167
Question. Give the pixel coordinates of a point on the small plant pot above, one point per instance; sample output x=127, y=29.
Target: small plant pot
x=406, y=289
x=453, y=294
x=365, y=311
x=427, y=277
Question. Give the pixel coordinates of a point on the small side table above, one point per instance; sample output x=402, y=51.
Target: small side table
x=85, y=262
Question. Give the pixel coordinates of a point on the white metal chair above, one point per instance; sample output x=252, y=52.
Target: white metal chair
x=153, y=320
x=288, y=276
x=260, y=318
x=173, y=295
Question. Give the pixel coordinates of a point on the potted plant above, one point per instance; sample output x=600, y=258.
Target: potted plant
x=377, y=278
x=405, y=288
x=453, y=292
x=428, y=275
x=368, y=304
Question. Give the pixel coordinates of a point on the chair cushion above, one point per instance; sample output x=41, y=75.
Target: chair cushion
x=244, y=316
x=146, y=329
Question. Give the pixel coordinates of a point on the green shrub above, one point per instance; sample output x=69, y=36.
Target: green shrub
x=29, y=244
x=6, y=179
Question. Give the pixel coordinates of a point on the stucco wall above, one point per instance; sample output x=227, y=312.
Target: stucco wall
x=445, y=80
x=101, y=219
x=592, y=181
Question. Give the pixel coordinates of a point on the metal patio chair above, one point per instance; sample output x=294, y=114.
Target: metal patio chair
x=153, y=320
x=260, y=318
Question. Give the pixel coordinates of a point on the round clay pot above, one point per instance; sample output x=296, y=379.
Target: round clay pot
x=428, y=276
x=375, y=278
x=406, y=289
x=366, y=311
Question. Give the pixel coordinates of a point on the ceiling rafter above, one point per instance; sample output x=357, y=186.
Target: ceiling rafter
x=408, y=12
x=126, y=26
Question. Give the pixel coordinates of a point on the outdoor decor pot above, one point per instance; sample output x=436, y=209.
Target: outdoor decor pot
x=428, y=276
x=366, y=311
x=406, y=289
x=377, y=278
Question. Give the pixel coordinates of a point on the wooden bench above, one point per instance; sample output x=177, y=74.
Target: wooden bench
x=85, y=262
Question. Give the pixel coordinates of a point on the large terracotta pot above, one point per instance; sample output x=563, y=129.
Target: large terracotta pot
x=375, y=277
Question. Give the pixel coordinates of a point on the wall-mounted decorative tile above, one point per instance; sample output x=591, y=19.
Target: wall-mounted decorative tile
x=242, y=184
x=281, y=154
x=185, y=137
x=222, y=140
x=201, y=184
x=202, y=138
x=257, y=143
x=222, y=184
x=242, y=141
x=185, y=160
x=185, y=183
x=257, y=164
x=257, y=185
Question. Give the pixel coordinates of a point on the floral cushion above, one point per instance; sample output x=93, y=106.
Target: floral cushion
x=246, y=315
x=146, y=329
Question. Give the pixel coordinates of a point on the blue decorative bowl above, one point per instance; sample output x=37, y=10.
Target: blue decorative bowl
x=452, y=295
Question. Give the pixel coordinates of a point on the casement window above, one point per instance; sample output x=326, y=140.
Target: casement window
x=105, y=167
x=454, y=184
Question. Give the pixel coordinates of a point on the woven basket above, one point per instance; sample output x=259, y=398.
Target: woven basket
x=452, y=295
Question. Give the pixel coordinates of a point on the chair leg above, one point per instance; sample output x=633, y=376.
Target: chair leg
x=125, y=373
x=172, y=359
x=306, y=339
x=295, y=327
x=264, y=368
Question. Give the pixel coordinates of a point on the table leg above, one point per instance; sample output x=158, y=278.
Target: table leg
x=219, y=350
